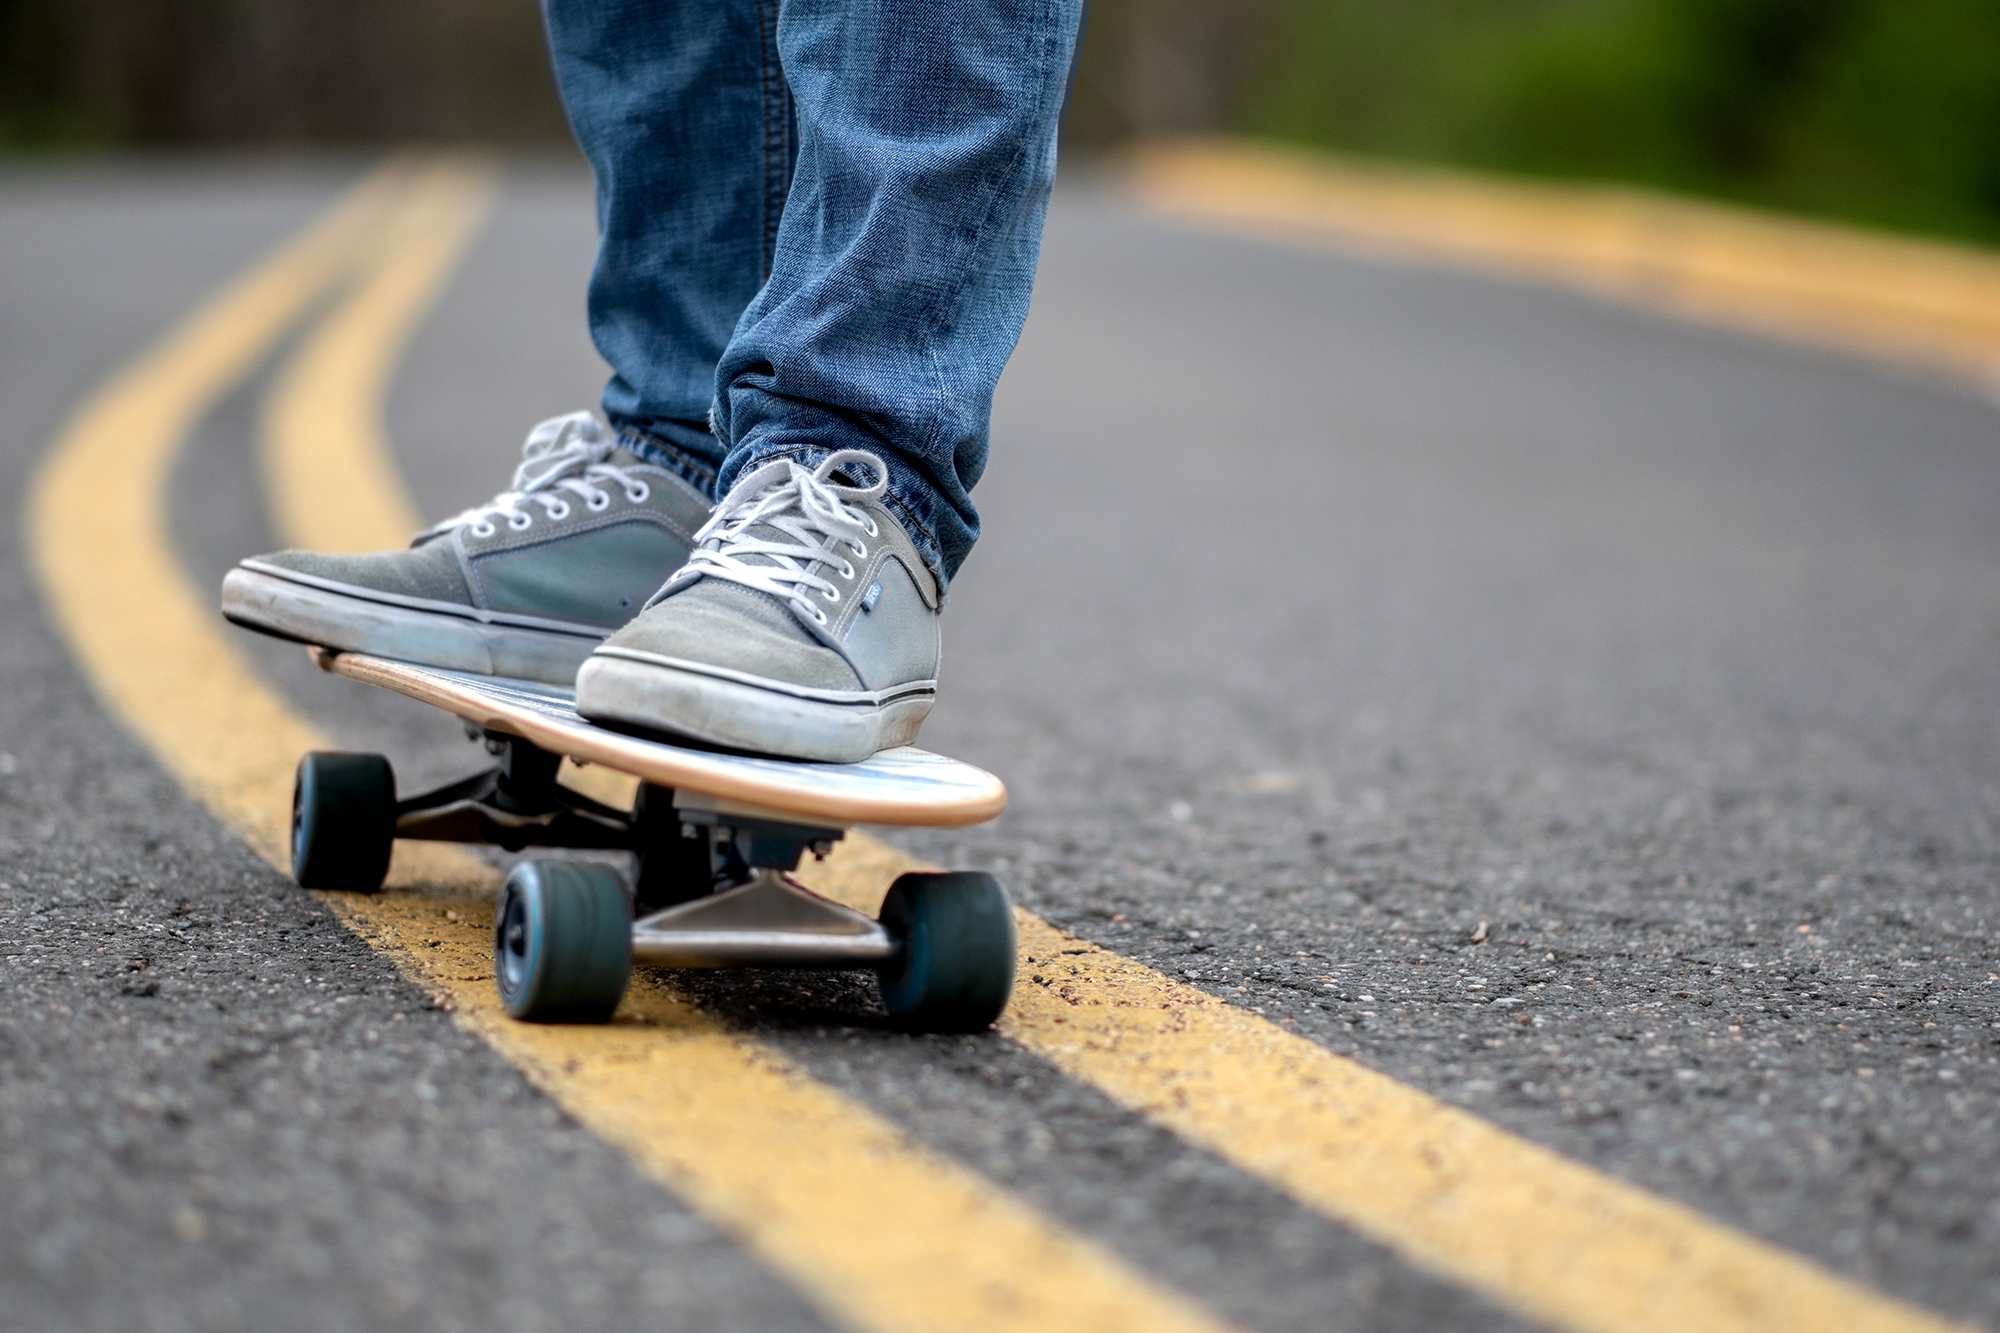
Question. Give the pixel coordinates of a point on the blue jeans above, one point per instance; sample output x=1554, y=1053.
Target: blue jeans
x=819, y=221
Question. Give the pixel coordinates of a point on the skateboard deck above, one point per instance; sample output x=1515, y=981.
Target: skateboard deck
x=714, y=838
x=904, y=785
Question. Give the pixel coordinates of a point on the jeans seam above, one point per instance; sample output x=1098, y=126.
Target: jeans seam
x=773, y=110
x=665, y=453
x=934, y=325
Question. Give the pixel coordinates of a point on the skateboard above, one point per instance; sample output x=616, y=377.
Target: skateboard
x=714, y=838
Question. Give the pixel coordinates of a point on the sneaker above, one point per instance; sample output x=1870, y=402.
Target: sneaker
x=522, y=586
x=804, y=625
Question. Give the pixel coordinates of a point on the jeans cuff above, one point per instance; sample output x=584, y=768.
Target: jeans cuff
x=662, y=452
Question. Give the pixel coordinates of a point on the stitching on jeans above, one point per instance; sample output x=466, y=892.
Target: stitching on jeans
x=935, y=320
x=764, y=129
x=782, y=132
x=773, y=110
x=691, y=469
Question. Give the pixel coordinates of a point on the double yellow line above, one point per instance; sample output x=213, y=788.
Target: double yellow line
x=1922, y=303
x=879, y=1232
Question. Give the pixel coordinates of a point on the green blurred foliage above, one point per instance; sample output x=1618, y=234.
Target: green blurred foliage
x=84, y=73
x=1883, y=111
x=36, y=106
x=1886, y=111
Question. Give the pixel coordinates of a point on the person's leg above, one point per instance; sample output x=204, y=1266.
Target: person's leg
x=927, y=146
x=855, y=393
x=688, y=125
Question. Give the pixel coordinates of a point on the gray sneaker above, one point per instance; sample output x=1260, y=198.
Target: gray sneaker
x=805, y=625
x=523, y=586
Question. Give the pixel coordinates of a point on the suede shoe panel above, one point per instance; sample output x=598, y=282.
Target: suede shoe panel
x=601, y=576
x=430, y=572
x=523, y=585
x=892, y=636
x=736, y=629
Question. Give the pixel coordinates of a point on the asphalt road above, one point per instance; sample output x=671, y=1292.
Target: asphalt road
x=1328, y=610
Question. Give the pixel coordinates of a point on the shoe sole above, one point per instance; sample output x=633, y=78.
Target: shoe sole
x=360, y=621
x=741, y=714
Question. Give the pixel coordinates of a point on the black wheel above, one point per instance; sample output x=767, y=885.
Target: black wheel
x=343, y=821
x=562, y=942
x=956, y=967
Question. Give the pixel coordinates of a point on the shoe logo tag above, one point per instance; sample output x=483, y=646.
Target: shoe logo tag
x=872, y=596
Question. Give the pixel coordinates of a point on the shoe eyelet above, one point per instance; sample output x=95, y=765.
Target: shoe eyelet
x=483, y=529
x=861, y=550
x=820, y=617
x=520, y=522
x=637, y=494
x=831, y=594
x=598, y=503
x=559, y=512
x=873, y=531
x=846, y=570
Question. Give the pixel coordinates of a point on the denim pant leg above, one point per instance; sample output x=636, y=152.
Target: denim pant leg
x=685, y=117
x=907, y=248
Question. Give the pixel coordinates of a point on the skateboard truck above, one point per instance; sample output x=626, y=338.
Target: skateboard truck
x=740, y=909
x=769, y=921
x=758, y=915
x=515, y=804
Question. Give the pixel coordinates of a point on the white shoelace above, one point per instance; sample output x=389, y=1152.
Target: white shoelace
x=564, y=456
x=779, y=524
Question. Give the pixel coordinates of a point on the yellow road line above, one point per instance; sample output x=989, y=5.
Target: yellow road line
x=97, y=532
x=1555, y=1240
x=1537, y=1233
x=880, y=1233
x=1921, y=302
x=331, y=481
x=1547, y=1236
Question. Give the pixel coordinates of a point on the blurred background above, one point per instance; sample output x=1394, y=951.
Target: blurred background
x=1884, y=112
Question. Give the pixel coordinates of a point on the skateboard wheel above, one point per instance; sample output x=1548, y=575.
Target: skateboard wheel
x=562, y=942
x=956, y=967
x=343, y=821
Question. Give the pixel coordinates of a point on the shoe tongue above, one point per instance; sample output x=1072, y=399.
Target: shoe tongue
x=771, y=532
x=551, y=473
x=765, y=532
